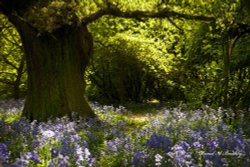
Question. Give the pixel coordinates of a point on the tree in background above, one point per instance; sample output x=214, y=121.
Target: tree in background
x=215, y=59
x=13, y=77
x=204, y=68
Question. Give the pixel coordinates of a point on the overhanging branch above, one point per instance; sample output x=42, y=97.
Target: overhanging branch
x=175, y=25
x=165, y=13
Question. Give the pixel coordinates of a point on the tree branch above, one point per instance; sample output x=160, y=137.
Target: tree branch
x=5, y=59
x=5, y=81
x=175, y=25
x=165, y=13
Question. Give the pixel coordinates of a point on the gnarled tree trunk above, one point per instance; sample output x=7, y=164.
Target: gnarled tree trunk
x=55, y=64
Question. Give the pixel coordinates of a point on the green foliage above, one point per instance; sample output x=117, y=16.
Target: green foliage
x=48, y=16
x=185, y=57
x=120, y=73
x=133, y=60
x=240, y=72
x=12, y=64
x=204, y=65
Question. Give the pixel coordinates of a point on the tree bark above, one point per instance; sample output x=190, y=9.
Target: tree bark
x=56, y=64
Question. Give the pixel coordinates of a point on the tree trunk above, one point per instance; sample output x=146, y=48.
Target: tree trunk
x=56, y=64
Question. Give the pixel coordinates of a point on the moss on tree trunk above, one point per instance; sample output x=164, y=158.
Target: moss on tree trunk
x=55, y=64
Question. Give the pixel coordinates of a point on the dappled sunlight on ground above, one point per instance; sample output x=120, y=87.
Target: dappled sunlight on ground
x=139, y=118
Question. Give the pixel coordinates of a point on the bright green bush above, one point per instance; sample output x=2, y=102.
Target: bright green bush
x=126, y=71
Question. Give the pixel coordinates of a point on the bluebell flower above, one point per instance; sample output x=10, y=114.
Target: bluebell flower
x=91, y=161
x=212, y=145
x=66, y=147
x=54, y=152
x=47, y=134
x=4, y=154
x=197, y=144
x=184, y=145
x=83, y=155
x=215, y=158
x=159, y=142
x=180, y=154
x=111, y=146
x=138, y=158
x=239, y=143
x=20, y=162
x=33, y=156
x=62, y=161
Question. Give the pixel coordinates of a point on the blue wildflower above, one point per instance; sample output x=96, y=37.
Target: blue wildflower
x=180, y=154
x=215, y=159
x=159, y=142
x=4, y=154
x=138, y=158
x=54, y=152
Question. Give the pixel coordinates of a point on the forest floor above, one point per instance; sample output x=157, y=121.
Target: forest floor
x=135, y=135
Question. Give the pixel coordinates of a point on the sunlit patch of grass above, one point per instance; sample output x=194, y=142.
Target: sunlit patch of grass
x=10, y=116
x=139, y=118
x=142, y=108
x=11, y=110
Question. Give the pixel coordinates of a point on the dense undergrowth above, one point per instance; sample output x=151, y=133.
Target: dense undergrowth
x=169, y=137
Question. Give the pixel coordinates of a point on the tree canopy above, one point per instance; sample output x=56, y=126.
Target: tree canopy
x=51, y=14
